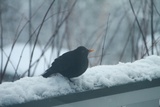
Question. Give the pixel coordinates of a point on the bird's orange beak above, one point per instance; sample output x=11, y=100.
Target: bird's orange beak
x=90, y=50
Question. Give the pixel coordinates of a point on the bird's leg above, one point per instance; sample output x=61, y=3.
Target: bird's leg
x=70, y=80
x=72, y=83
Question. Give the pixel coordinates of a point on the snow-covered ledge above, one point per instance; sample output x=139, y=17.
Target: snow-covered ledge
x=97, y=82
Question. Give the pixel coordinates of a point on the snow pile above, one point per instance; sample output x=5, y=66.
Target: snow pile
x=34, y=88
x=111, y=75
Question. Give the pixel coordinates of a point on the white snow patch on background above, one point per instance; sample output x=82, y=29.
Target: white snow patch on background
x=34, y=88
x=42, y=65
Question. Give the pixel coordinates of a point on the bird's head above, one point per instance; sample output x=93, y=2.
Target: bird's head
x=83, y=50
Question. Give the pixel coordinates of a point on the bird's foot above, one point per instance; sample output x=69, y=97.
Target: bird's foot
x=70, y=80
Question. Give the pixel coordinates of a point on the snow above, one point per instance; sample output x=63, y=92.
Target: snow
x=42, y=65
x=34, y=88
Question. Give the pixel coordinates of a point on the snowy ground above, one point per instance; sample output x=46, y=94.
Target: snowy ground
x=18, y=55
x=34, y=88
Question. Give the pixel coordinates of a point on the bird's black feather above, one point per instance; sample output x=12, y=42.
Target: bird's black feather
x=70, y=64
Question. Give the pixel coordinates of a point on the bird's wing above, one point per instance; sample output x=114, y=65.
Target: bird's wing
x=63, y=62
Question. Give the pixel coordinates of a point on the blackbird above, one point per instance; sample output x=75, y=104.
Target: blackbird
x=70, y=64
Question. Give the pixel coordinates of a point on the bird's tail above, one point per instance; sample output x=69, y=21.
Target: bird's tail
x=47, y=73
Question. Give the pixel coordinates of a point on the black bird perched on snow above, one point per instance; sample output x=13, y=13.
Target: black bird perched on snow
x=70, y=64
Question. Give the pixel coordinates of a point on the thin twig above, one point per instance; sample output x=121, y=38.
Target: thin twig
x=30, y=30
x=106, y=30
x=51, y=38
x=143, y=36
x=156, y=9
x=125, y=46
x=37, y=36
x=116, y=30
x=152, y=30
x=12, y=47
x=1, y=25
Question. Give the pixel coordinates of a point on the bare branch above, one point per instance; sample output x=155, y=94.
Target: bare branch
x=152, y=31
x=106, y=30
x=37, y=36
x=143, y=36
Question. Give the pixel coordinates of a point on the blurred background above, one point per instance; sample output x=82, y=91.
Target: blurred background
x=33, y=33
